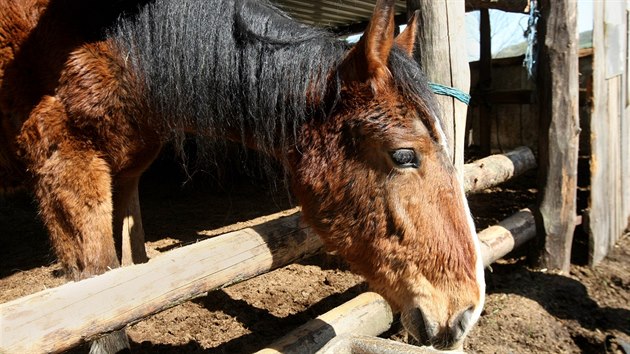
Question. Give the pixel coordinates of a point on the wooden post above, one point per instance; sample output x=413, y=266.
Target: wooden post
x=441, y=51
x=559, y=131
x=485, y=81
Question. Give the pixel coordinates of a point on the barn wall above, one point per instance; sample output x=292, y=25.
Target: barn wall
x=511, y=124
x=609, y=203
x=516, y=124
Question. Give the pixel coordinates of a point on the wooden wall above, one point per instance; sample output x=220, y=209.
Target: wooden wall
x=511, y=124
x=609, y=204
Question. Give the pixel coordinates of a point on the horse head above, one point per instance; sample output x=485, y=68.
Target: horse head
x=376, y=182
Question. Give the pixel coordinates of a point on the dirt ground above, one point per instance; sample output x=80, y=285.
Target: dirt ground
x=527, y=310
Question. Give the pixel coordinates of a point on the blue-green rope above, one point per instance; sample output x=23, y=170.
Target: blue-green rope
x=450, y=91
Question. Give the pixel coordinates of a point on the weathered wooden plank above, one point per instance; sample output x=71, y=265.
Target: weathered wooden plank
x=485, y=81
x=367, y=314
x=59, y=318
x=499, y=240
x=608, y=212
x=495, y=169
x=559, y=131
x=614, y=169
x=441, y=51
x=598, y=215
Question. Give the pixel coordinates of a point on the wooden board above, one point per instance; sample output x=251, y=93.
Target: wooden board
x=609, y=210
x=57, y=319
x=367, y=314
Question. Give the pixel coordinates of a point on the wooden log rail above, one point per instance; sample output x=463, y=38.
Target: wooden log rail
x=495, y=169
x=60, y=318
x=367, y=314
x=57, y=319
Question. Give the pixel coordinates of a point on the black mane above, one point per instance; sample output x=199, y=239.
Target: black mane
x=221, y=66
x=229, y=65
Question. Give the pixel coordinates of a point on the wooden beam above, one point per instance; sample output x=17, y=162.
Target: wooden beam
x=558, y=132
x=519, y=6
x=503, y=97
x=359, y=27
x=496, y=169
x=485, y=81
x=500, y=62
x=367, y=314
x=441, y=51
x=60, y=318
x=501, y=239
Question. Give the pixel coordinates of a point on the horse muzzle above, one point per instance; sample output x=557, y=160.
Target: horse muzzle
x=429, y=332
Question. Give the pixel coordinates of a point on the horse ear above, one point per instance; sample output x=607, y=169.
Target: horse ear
x=407, y=39
x=369, y=56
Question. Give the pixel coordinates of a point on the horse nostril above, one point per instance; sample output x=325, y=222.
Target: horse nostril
x=460, y=324
x=417, y=324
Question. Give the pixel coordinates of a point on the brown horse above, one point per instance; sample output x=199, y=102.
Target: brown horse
x=91, y=90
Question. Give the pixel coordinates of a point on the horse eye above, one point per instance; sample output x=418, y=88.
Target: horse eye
x=405, y=158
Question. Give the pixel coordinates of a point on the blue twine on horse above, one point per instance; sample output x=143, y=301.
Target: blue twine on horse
x=450, y=91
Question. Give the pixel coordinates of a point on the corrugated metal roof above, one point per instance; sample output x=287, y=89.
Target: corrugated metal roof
x=333, y=13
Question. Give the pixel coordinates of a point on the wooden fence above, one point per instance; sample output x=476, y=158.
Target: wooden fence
x=507, y=113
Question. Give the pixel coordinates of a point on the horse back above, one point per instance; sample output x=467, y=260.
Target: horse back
x=46, y=49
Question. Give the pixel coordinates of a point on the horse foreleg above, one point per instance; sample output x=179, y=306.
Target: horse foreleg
x=73, y=185
x=76, y=205
x=128, y=221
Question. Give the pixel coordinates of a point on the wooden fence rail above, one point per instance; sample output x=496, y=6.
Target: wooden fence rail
x=495, y=169
x=57, y=319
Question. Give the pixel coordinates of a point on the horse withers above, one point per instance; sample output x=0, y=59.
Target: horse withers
x=90, y=91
